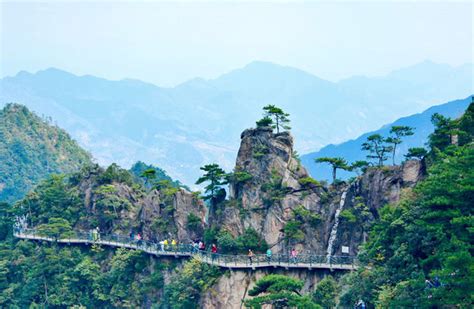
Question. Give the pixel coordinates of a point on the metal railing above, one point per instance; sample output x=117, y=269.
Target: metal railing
x=307, y=260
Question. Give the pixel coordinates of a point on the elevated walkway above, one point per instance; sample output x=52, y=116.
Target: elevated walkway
x=302, y=261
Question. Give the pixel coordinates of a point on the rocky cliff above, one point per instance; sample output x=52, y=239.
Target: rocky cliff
x=376, y=188
x=277, y=188
x=281, y=193
x=116, y=204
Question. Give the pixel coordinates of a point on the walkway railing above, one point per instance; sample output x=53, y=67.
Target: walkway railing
x=307, y=261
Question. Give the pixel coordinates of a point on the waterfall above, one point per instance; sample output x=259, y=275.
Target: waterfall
x=333, y=235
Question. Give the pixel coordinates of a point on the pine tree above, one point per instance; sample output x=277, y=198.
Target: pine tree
x=277, y=115
x=336, y=163
x=377, y=148
x=216, y=177
x=397, y=133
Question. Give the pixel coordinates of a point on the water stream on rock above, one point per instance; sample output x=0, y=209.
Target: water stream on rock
x=333, y=235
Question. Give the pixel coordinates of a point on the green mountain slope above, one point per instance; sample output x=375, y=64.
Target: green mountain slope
x=421, y=250
x=31, y=149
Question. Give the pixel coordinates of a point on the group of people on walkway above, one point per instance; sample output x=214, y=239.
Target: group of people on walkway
x=196, y=246
x=293, y=256
x=168, y=245
x=164, y=245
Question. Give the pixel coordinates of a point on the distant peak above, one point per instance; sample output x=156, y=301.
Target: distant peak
x=22, y=74
x=261, y=63
x=54, y=72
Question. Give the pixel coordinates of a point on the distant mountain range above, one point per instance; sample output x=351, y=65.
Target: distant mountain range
x=351, y=150
x=179, y=129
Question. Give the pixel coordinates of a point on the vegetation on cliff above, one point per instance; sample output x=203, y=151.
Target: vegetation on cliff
x=150, y=175
x=31, y=149
x=54, y=275
x=421, y=250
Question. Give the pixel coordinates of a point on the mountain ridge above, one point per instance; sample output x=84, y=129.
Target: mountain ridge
x=142, y=121
x=351, y=149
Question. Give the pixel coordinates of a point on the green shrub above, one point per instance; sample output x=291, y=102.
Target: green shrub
x=308, y=181
x=275, y=189
x=187, y=286
x=293, y=230
x=56, y=228
x=194, y=222
x=250, y=239
x=239, y=176
x=115, y=173
x=326, y=292
x=259, y=151
x=348, y=216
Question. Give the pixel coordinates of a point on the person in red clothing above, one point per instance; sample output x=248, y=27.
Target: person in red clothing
x=213, y=251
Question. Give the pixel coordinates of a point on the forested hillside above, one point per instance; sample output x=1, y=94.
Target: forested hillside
x=421, y=250
x=52, y=275
x=32, y=149
x=418, y=251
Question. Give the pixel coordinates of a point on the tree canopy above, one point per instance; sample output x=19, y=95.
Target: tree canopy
x=274, y=117
x=216, y=177
x=377, y=148
x=397, y=133
x=421, y=250
x=280, y=292
x=336, y=163
x=416, y=153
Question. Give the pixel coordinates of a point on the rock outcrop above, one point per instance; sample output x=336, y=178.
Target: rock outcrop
x=126, y=207
x=266, y=202
x=233, y=288
x=376, y=188
x=280, y=191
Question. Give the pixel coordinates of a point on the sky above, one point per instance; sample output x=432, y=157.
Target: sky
x=168, y=43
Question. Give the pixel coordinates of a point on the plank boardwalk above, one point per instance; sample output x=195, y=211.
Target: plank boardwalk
x=221, y=260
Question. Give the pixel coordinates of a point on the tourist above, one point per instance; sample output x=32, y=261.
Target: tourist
x=96, y=234
x=360, y=304
x=162, y=245
x=293, y=255
x=202, y=246
x=195, y=246
x=213, y=251
x=269, y=255
x=165, y=243
x=174, y=244
x=250, y=256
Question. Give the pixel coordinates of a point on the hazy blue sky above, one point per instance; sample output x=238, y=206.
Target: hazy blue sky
x=167, y=43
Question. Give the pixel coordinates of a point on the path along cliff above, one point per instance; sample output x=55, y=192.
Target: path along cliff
x=291, y=210
x=279, y=201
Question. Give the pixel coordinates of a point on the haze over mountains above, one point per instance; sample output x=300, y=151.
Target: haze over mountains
x=351, y=150
x=200, y=121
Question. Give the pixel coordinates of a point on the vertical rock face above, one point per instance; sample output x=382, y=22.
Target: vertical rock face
x=266, y=201
x=373, y=190
x=279, y=186
x=232, y=289
x=156, y=208
x=155, y=214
